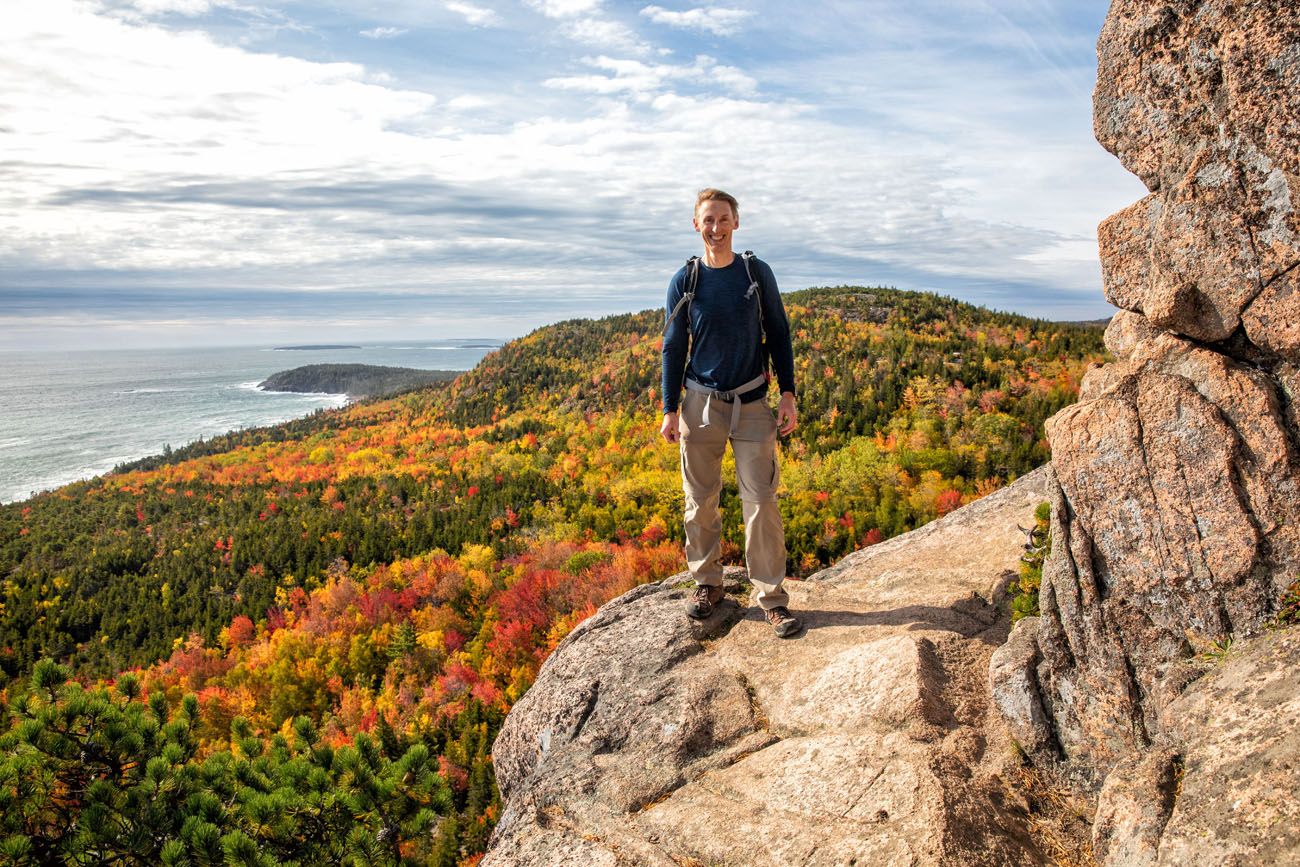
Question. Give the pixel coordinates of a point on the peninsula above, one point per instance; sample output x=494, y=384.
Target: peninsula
x=354, y=380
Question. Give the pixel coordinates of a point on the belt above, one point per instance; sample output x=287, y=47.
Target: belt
x=732, y=397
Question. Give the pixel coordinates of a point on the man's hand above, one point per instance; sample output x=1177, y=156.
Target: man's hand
x=668, y=430
x=786, y=418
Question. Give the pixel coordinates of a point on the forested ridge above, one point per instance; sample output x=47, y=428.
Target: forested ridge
x=387, y=577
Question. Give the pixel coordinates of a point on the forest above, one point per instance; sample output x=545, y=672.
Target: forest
x=306, y=636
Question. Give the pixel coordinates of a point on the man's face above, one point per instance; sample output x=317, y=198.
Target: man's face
x=715, y=222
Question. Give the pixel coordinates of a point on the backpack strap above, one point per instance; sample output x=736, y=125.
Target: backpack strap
x=692, y=280
x=756, y=290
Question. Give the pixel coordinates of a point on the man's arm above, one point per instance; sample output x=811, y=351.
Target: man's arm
x=776, y=328
x=677, y=338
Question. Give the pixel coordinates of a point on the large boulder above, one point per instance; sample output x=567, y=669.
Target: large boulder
x=1176, y=522
x=1221, y=787
x=1201, y=100
x=650, y=739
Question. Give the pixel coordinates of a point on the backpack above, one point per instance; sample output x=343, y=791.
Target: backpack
x=693, y=280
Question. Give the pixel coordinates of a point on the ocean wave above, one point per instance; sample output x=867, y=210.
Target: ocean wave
x=150, y=390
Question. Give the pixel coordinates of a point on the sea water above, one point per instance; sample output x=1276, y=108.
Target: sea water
x=66, y=416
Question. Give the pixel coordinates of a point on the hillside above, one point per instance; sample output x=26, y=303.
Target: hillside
x=399, y=569
x=910, y=405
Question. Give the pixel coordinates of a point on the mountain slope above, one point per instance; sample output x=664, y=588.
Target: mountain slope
x=911, y=404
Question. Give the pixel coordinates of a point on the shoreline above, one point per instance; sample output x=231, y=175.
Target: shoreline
x=110, y=464
x=75, y=416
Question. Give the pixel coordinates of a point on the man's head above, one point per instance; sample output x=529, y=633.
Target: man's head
x=712, y=195
x=716, y=217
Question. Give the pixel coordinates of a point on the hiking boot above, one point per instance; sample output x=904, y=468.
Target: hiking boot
x=700, y=604
x=782, y=620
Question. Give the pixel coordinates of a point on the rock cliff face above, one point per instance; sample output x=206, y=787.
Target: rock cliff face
x=1176, y=524
x=649, y=739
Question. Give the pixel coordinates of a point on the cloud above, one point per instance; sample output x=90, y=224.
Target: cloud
x=564, y=8
x=406, y=197
x=583, y=21
x=478, y=16
x=468, y=102
x=383, y=32
x=646, y=80
x=602, y=33
x=189, y=8
x=529, y=179
x=718, y=20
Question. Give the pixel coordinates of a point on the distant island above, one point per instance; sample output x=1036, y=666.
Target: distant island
x=354, y=380
x=315, y=346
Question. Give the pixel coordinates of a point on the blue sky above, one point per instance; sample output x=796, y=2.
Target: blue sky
x=178, y=172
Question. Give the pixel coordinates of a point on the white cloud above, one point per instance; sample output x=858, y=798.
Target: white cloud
x=468, y=102
x=384, y=32
x=191, y=8
x=583, y=21
x=718, y=20
x=564, y=8
x=645, y=80
x=605, y=34
x=478, y=16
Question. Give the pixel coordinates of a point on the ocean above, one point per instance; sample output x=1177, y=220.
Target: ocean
x=66, y=416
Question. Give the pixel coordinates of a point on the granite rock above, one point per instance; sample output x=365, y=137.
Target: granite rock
x=1236, y=731
x=1176, y=520
x=1201, y=100
x=650, y=739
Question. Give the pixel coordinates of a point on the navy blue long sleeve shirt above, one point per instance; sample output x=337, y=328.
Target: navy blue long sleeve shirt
x=728, y=350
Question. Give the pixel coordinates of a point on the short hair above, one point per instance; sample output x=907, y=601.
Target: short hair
x=709, y=194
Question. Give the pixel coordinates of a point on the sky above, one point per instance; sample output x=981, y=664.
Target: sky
x=219, y=172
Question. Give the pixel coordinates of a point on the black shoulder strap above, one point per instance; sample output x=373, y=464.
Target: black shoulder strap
x=756, y=289
x=692, y=280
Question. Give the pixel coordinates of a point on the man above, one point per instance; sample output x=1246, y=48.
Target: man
x=731, y=324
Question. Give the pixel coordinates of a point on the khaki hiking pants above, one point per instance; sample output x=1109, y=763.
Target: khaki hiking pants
x=758, y=474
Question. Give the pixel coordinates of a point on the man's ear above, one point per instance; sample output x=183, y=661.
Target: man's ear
x=695, y=221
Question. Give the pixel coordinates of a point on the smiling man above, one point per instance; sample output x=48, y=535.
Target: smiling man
x=724, y=320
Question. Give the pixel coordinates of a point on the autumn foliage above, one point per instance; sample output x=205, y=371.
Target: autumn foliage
x=398, y=570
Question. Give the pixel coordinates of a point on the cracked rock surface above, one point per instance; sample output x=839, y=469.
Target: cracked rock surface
x=651, y=739
x=1176, y=523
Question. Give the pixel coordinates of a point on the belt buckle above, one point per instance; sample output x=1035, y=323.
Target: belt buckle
x=726, y=396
